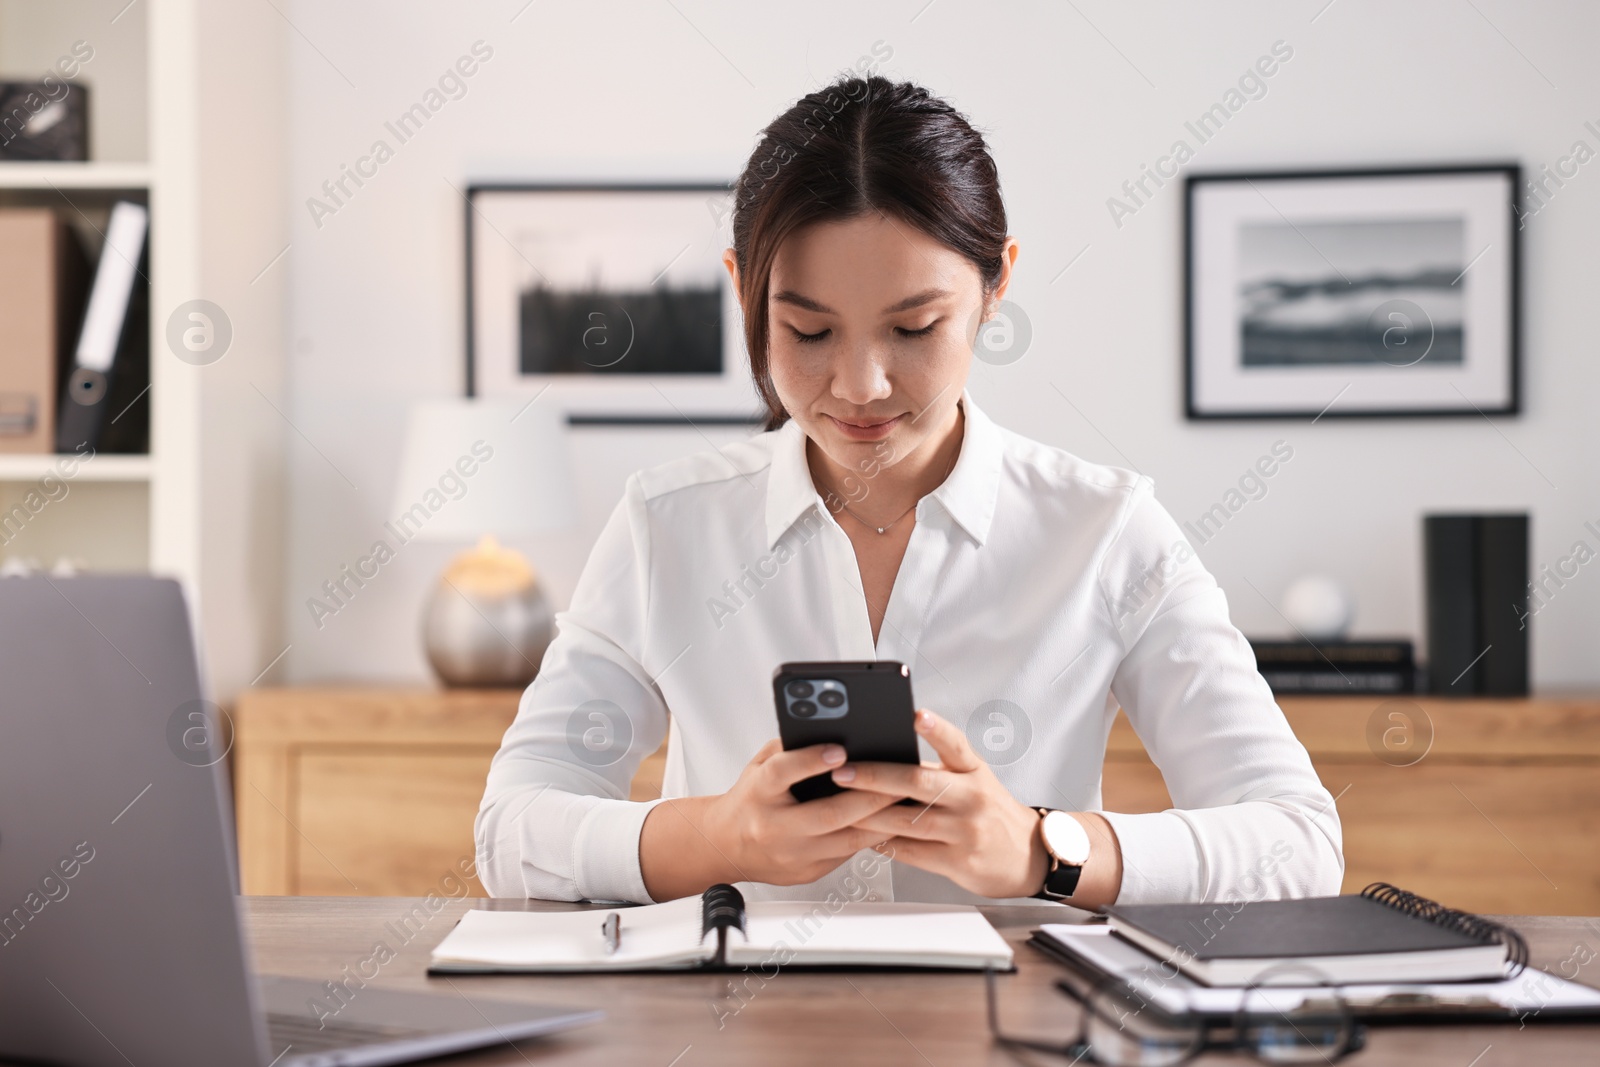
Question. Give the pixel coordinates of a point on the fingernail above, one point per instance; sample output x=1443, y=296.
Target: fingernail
x=844, y=774
x=833, y=754
x=924, y=720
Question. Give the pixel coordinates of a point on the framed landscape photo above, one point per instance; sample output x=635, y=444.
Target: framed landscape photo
x=613, y=299
x=1352, y=293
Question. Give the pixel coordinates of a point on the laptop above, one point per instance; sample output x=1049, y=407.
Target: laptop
x=120, y=933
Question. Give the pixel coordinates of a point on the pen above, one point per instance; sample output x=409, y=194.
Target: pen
x=611, y=929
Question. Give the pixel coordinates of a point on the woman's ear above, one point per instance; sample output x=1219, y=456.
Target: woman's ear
x=731, y=261
x=1008, y=259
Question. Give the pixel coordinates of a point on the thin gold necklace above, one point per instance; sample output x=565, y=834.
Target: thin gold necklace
x=888, y=526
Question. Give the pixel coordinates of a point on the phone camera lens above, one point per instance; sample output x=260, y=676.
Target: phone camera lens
x=830, y=698
x=803, y=709
x=800, y=690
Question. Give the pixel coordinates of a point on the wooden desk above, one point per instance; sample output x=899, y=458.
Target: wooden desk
x=799, y=1018
x=373, y=791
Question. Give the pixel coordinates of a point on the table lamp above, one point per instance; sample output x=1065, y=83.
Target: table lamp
x=480, y=470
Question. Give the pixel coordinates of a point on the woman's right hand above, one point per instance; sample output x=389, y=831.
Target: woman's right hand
x=757, y=831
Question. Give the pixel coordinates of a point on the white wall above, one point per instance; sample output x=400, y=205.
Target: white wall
x=646, y=90
x=244, y=223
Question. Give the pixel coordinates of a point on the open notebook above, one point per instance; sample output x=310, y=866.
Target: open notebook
x=718, y=931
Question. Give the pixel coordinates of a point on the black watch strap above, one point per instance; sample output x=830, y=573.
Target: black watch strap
x=1060, y=881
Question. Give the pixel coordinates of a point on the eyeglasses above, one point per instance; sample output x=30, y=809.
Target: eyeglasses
x=1123, y=1026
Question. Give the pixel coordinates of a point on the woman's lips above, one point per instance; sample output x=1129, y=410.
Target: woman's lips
x=875, y=430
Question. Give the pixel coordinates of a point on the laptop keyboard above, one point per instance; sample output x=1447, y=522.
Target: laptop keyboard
x=304, y=1035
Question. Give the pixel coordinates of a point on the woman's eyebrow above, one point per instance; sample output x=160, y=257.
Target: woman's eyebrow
x=927, y=296
x=916, y=300
x=789, y=296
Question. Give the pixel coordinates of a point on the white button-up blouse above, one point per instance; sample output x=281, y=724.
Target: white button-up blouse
x=1038, y=593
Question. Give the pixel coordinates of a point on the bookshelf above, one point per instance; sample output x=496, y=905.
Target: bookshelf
x=103, y=468
x=167, y=83
x=113, y=512
x=85, y=176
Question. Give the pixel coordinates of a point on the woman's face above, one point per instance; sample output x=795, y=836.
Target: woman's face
x=871, y=326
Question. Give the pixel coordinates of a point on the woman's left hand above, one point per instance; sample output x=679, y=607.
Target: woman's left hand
x=965, y=825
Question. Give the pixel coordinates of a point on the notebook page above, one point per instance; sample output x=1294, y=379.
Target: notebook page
x=867, y=932
x=652, y=935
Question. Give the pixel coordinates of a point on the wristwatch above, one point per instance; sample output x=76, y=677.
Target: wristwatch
x=1067, y=844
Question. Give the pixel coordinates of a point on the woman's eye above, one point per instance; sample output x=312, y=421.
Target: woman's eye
x=925, y=331
x=809, y=338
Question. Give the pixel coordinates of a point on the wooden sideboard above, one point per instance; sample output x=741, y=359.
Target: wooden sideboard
x=1500, y=815
x=346, y=791
x=367, y=792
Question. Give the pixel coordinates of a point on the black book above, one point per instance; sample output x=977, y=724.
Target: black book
x=1334, y=667
x=1384, y=934
x=1476, y=571
x=1502, y=561
x=1304, y=681
x=1366, y=654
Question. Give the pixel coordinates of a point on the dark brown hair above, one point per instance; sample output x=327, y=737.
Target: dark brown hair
x=861, y=146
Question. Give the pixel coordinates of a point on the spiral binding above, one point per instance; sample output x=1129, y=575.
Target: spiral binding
x=1473, y=926
x=721, y=906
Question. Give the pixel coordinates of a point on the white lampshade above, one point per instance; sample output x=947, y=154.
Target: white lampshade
x=472, y=468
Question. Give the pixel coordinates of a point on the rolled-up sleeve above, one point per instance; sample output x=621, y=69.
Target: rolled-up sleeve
x=556, y=822
x=1251, y=820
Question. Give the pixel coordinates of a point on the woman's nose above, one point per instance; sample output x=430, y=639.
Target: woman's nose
x=860, y=377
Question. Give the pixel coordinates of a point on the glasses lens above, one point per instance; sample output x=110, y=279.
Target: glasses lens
x=1307, y=1024
x=1300, y=1040
x=1124, y=1029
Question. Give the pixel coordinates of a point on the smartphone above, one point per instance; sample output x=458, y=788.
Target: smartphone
x=864, y=705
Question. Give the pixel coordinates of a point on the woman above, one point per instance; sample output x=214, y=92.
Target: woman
x=884, y=516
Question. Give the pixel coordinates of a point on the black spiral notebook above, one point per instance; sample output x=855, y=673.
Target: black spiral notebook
x=719, y=931
x=1384, y=934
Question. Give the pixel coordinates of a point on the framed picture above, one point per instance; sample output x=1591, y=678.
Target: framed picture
x=611, y=298
x=1352, y=293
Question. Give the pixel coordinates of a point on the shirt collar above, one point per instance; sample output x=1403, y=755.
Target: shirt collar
x=968, y=494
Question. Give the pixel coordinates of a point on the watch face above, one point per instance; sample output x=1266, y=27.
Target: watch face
x=1066, y=839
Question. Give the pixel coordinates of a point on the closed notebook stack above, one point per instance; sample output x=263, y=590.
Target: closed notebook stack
x=1373, y=665
x=44, y=279
x=1383, y=934
x=1095, y=952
